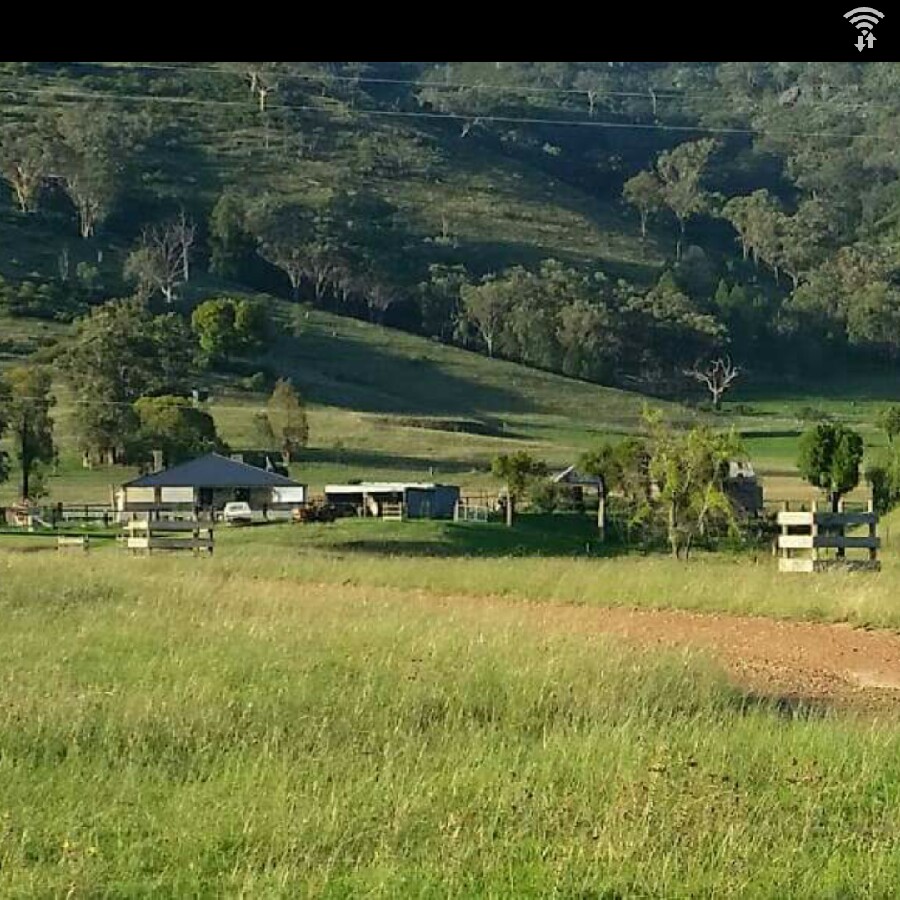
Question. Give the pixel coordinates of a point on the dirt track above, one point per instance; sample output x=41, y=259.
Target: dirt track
x=824, y=663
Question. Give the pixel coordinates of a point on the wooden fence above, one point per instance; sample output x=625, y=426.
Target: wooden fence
x=393, y=512
x=79, y=542
x=821, y=537
x=476, y=507
x=465, y=511
x=145, y=536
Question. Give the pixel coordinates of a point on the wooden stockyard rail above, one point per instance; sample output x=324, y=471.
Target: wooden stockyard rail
x=144, y=536
x=79, y=542
x=465, y=511
x=816, y=533
x=393, y=512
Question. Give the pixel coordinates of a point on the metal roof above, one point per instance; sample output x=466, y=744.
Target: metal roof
x=383, y=487
x=213, y=471
x=572, y=476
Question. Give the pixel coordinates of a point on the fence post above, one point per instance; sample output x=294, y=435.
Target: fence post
x=785, y=507
x=873, y=552
x=841, y=530
x=814, y=531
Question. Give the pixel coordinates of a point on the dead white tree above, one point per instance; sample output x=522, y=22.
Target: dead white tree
x=185, y=233
x=261, y=85
x=162, y=260
x=718, y=376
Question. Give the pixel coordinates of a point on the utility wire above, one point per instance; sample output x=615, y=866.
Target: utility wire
x=651, y=92
x=67, y=93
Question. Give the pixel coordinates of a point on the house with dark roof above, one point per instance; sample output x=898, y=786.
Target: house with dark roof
x=209, y=482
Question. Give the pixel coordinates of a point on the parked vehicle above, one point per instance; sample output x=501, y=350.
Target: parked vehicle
x=317, y=511
x=237, y=513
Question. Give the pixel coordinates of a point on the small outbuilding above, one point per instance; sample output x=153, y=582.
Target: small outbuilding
x=209, y=482
x=743, y=488
x=575, y=483
x=410, y=500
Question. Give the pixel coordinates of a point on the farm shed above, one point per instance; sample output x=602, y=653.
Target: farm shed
x=743, y=488
x=575, y=482
x=207, y=484
x=419, y=500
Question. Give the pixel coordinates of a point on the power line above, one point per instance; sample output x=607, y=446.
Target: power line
x=649, y=93
x=457, y=117
x=366, y=79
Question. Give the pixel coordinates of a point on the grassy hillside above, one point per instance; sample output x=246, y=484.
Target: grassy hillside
x=518, y=186
x=472, y=200
x=385, y=404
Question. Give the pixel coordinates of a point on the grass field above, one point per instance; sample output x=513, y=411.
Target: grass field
x=231, y=727
x=546, y=559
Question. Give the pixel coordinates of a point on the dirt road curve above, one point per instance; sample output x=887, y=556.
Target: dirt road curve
x=796, y=660
x=833, y=664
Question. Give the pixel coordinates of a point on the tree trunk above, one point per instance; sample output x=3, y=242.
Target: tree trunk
x=643, y=225
x=836, y=508
x=716, y=398
x=86, y=218
x=680, y=239
x=510, y=508
x=673, y=530
x=22, y=190
x=25, y=457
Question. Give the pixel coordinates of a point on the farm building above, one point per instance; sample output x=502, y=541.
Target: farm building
x=414, y=499
x=743, y=487
x=575, y=482
x=207, y=484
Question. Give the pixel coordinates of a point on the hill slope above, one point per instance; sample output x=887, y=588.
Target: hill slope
x=386, y=404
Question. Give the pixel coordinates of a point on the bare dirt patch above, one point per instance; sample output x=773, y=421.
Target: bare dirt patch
x=819, y=663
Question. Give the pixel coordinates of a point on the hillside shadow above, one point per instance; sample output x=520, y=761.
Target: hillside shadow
x=533, y=536
x=489, y=256
x=374, y=459
x=338, y=369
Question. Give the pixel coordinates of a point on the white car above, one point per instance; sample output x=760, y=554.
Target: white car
x=237, y=513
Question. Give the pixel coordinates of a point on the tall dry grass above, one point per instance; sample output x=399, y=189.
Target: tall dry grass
x=179, y=729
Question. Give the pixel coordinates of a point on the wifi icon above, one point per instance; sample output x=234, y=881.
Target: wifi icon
x=865, y=19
